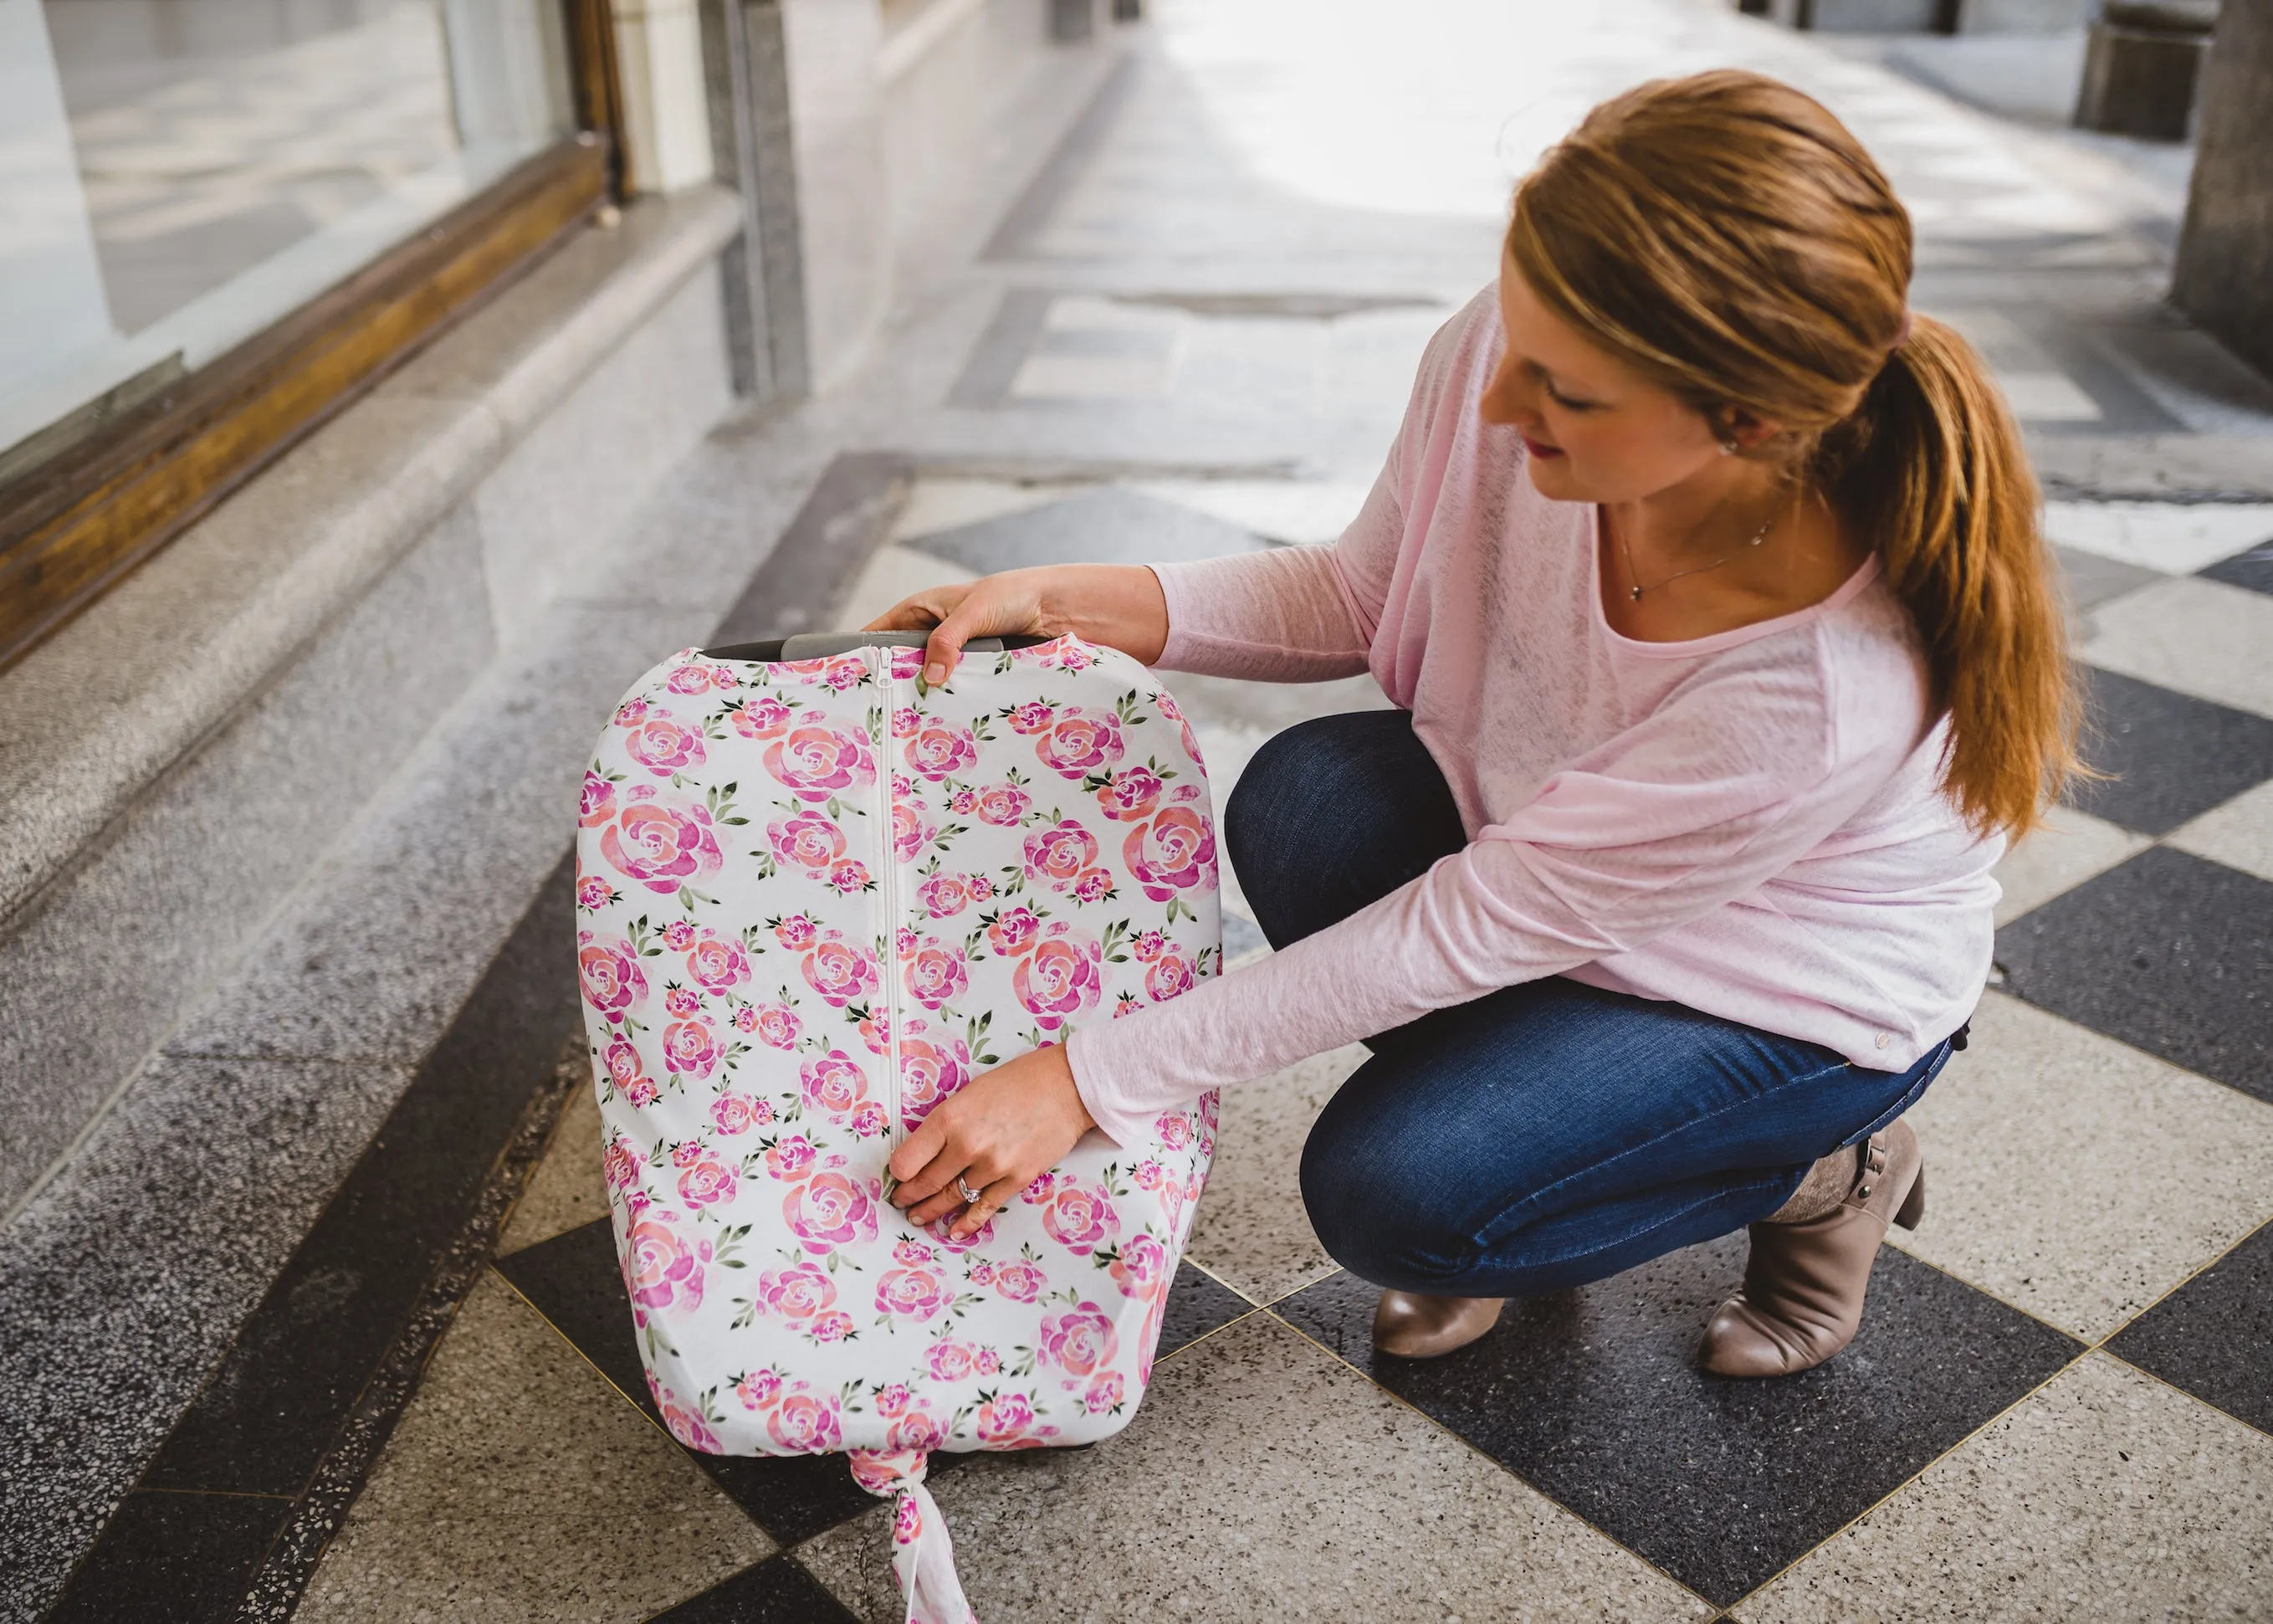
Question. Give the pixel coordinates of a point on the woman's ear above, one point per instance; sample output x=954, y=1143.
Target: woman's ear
x=1736, y=428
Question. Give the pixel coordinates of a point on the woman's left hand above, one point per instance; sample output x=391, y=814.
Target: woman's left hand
x=998, y=1133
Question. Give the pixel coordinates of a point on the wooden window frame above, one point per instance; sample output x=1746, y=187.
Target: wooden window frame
x=77, y=523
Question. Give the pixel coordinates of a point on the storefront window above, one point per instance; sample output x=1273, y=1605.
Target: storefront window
x=177, y=174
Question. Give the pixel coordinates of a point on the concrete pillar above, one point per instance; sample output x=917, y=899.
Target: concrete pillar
x=2225, y=276
x=666, y=101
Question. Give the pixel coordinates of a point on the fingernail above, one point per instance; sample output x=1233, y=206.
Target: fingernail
x=934, y=673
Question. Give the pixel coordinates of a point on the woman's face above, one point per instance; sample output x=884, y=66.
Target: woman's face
x=1597, y=431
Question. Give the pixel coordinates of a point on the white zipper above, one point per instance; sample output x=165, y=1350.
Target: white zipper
x=888, y=853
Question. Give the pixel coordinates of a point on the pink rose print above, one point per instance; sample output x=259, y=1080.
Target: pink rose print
x=914, y=1294
x=918, y=1431
x=789, y=1159
x=1062, y=976
x=707, y=1182
x=1141, y=1265
x=642, y=1091
x=986, y=1362
x=1021, y=1282
x=631, y=713
x=719, y=963
x=911, y=1252
x=1210, y=1107
x=1079, y=1340
x=816, y=759
x=662, y=747
x=1132, y=796
x=594, y=893
x=804, y=1424
x=1059, y=853
x=1038, y=1192
x=677, y=933
x=597, y=803
x=840, y=972
x=1147, y=1176
x=1091, y=885
x=758, y=1389
x=828, y=1210
x=1013, y=931
x=619, y=1166
x=696, y=677
x=834, y=1083
x=687, y=1152
x=686, y=1426
x=621, y=1058
x=1031, y=718
x=690, y=1048
x=797, y=1292
x=1129, y=1004
x=1171, y=973
x=660, y=1269
x=1176, y=852
x=1080, y=1219
x=876, y=1033
x=1167, y=707
x=930, y=1070
x=944, y=895
x=907, y=1520
x=964, y=802
x=947, y=1361
x=935, y=974
x=738, y=1113
x=909, y=831
x=1003, y=1417
x=796, y=933
x=777, y=1025
x=763, y=717
x=611, y=974
x=893, y=1400
x=806, y=841
x=1149, y=945
x=905, y=720
x=1079, y=744
x=833, y=1326
x=939, y=750
x=1104, y=1395
x=1003, y=805
x=683, y=1001
x=661, y=844
x=848, y=879
x=980, y=1273
x=903, y=940
x=868, y=1120
x=1175, y=1130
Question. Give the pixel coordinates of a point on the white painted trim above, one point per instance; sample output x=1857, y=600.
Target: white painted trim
x=915, y=40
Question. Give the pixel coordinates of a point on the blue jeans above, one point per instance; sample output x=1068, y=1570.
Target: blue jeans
x=1547, y=1134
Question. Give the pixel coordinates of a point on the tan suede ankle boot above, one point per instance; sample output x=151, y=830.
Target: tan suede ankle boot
x=1805, y=1282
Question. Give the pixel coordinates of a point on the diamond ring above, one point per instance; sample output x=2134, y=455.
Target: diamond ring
x=969, y=1196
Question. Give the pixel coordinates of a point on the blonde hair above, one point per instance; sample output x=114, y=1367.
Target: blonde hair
x=1728, y=238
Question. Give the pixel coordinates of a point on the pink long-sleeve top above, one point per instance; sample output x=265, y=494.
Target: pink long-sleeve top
x=1750, y=824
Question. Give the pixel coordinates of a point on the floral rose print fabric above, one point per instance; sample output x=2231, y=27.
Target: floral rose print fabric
x=815, y=899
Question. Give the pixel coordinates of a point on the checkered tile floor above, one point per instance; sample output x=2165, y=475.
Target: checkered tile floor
x=2058, y=1404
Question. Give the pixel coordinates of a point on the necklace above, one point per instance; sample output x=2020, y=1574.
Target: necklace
x=1634, y=576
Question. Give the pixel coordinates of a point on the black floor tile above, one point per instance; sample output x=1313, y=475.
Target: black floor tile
x=172, y=1559
x=276, y=1403
x=1594, y=1398
x=2253, y=569
x=2211, y=1336
x=1105, y=526
x=1198, y=1304
x=2168, y=756
x=775, y=1591
x=2168, y=952
x=805, y=576
x=574, y=1281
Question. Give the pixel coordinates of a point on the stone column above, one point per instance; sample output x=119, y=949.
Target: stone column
x=2225, y=276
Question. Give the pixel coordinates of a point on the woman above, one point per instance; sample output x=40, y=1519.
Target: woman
x=1706, y=579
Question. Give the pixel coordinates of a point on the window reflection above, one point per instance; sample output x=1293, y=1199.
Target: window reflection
x=185, y=172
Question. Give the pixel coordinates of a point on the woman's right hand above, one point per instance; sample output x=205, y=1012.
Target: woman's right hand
x=1117, y=606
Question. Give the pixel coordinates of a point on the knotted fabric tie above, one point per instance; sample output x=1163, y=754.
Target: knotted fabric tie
x=923, y=1556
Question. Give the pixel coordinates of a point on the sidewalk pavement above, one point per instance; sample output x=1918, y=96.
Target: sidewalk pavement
x=1194, y=334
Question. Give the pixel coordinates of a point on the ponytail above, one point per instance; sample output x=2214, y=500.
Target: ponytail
x=1930, y=470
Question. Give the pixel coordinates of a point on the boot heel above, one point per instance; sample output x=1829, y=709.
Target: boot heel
x=1914, y=1204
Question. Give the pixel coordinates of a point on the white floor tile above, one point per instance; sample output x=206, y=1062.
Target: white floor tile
x=2177, y=538
x=2200, y=637
x=2065, y=851
x=2238, y=834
